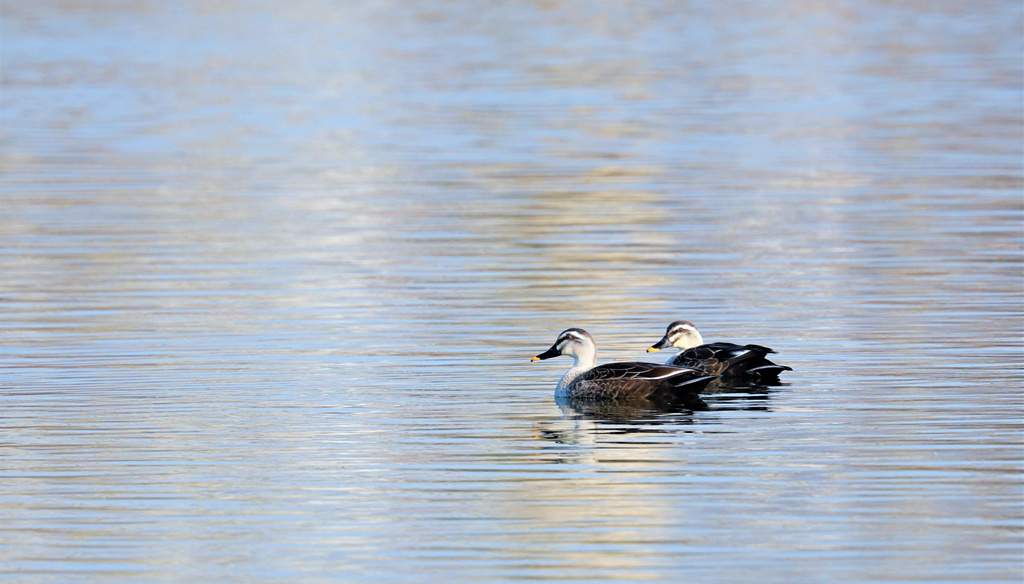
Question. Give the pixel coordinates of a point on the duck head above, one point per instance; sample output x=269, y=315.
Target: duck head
x=574, y=342
x=681, y=334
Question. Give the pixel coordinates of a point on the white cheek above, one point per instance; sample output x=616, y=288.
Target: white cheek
x=685, y=339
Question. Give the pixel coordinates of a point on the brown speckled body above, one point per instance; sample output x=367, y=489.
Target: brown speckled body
x=632, y=381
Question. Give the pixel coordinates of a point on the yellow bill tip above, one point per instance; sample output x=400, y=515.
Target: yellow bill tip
x=534, y=358
x=652, y=349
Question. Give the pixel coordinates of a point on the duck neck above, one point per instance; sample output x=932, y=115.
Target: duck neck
x=582, y=361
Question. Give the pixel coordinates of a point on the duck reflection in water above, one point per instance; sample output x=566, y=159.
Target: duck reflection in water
x=641, y=411
x=588, y=422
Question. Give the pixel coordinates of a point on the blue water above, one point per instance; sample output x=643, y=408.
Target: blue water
x=272, y=274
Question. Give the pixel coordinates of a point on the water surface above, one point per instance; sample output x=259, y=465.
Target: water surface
x=272, y=275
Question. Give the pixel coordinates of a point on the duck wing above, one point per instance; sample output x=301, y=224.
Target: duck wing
x=733, y=353
x=703, y=358
x=637, y=370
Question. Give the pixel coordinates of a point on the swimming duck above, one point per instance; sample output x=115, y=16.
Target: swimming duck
x=619, y=381
x=734, y=363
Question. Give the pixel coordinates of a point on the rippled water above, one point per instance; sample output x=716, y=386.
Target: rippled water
x=273, y=272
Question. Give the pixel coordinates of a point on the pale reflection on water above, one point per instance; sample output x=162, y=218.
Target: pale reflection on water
x=272, y=275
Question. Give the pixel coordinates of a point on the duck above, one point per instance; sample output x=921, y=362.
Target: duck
x=624, y=381
x=734, y=364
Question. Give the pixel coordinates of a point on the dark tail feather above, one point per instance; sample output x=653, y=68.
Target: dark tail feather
x=687, y=393
x=695, y=385
x=683, y=392
x=767, y=373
